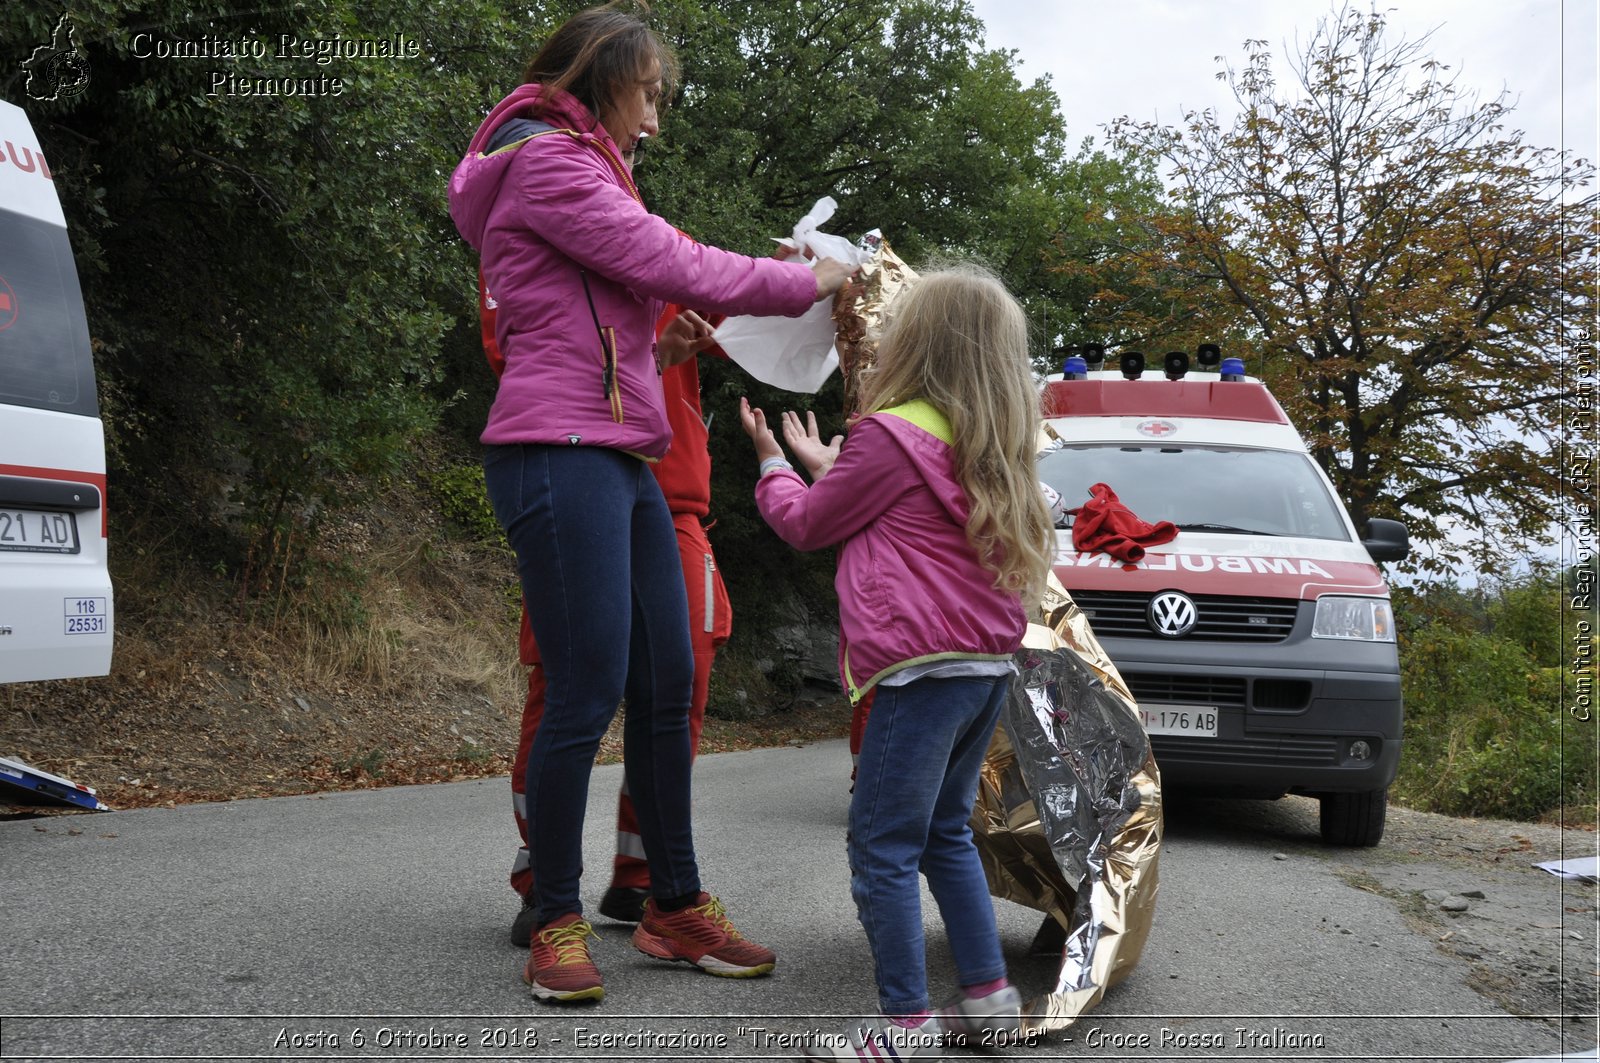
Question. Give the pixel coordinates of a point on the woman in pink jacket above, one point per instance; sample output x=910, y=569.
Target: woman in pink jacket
x=941, y=531
x=581, y=271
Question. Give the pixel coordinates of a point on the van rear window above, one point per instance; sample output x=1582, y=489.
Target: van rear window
x=44, y=342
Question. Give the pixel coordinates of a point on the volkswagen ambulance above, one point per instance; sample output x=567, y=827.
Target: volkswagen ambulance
x=56, y=616
x=1260, y=642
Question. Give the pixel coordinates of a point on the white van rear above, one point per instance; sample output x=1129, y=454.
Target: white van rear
x=56, y=616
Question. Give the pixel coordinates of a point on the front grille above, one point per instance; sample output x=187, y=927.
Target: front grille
x=1221, y=618
x=1278, y=750
x=1221, y=691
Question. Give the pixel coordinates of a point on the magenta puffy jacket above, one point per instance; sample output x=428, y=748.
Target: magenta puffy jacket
x=911, y=588
x=581, y=271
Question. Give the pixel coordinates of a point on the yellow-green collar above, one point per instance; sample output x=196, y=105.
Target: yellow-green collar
x=926, y=416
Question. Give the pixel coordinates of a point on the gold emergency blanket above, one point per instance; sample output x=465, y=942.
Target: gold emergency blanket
x=859, y=311
x=1068, y=817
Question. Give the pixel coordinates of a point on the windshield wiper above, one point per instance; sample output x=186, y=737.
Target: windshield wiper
x=1223, y=528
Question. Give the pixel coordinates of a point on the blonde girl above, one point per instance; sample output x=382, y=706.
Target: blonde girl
x=942, y=534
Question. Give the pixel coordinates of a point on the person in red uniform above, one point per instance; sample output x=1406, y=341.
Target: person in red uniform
x=685, y=478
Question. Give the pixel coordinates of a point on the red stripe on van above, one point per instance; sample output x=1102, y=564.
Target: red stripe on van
x=36, y=473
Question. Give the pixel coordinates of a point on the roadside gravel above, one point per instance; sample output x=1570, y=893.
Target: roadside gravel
x=1528, y=937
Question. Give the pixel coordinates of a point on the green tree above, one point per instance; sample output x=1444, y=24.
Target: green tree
x=280, y=304
x=1405, y=270
x=894, y=109
x=267, y=275
x=899, y=112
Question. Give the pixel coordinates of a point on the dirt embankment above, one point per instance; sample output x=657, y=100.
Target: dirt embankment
x=390, y=659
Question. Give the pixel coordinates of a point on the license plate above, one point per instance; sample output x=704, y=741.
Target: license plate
x=38, y=531
x=1186, y=721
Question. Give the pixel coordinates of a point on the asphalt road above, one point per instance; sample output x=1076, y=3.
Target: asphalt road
x=372, y=924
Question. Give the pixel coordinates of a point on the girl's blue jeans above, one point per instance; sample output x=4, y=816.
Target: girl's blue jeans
x=915, y=785
x=598, y=560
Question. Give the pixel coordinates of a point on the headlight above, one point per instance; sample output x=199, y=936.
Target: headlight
x=1367, y=619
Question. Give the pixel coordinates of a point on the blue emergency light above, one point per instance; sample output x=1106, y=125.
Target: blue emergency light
x=1072, y=367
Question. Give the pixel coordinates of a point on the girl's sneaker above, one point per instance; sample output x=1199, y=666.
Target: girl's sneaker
x=702, y=935
x=879, y=1039
x=559, y=970
x=998, y=1013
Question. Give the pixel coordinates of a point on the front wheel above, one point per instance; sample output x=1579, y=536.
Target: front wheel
x=1354, y=819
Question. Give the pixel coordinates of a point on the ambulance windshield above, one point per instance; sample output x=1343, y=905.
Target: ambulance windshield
x=1227, y=490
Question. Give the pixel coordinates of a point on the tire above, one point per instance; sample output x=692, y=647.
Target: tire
x=1354, y=819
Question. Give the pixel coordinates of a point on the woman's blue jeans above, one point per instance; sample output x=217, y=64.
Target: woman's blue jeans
x=915, y=785
x=598, y=560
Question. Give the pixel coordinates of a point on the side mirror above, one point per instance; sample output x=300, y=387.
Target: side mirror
x=1387, y=540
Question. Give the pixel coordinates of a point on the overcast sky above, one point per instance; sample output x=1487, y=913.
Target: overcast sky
x=1154, y=59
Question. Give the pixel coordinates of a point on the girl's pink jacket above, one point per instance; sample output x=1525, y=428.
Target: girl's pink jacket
x=555, y=211
x=910, y=587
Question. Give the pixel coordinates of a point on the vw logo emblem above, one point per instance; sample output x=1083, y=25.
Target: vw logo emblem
x=1172, y=614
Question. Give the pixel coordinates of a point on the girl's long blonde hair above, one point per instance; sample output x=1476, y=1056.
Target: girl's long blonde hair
x=959, y=340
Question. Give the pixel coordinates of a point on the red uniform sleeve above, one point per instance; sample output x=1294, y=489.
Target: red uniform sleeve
x=486, y=319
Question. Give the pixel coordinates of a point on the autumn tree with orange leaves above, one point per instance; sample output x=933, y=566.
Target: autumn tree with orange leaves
x=1414, y=282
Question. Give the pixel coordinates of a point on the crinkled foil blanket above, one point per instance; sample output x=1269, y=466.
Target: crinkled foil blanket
x=859, y=313
x=1068, y=818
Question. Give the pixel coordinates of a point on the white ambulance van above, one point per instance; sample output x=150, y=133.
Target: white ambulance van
x=56, y=617
x=1260, y=642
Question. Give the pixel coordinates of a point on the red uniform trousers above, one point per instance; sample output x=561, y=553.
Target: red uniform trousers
x=858, y=727
x=710, y=623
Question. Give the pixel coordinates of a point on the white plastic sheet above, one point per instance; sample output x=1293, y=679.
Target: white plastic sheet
x=1582, y=868
x=794, y=353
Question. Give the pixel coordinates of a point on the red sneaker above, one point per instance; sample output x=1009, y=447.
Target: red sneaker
x=559, y=969
x=702, y=935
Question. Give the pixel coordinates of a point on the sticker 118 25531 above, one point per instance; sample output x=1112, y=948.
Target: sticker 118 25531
x=86, y=616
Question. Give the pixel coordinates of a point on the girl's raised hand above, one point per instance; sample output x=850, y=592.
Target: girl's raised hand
x=806, y=442
x=755, y=426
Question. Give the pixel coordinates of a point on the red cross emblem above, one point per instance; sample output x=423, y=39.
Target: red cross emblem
x=8, y=305
x=1156, y=429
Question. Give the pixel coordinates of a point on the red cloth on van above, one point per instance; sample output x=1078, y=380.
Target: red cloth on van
x=1104, y=523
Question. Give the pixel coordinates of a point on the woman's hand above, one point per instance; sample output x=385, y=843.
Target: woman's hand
x=755, y=426
x=684, y=337
x=806, y=442
x=831, y=275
